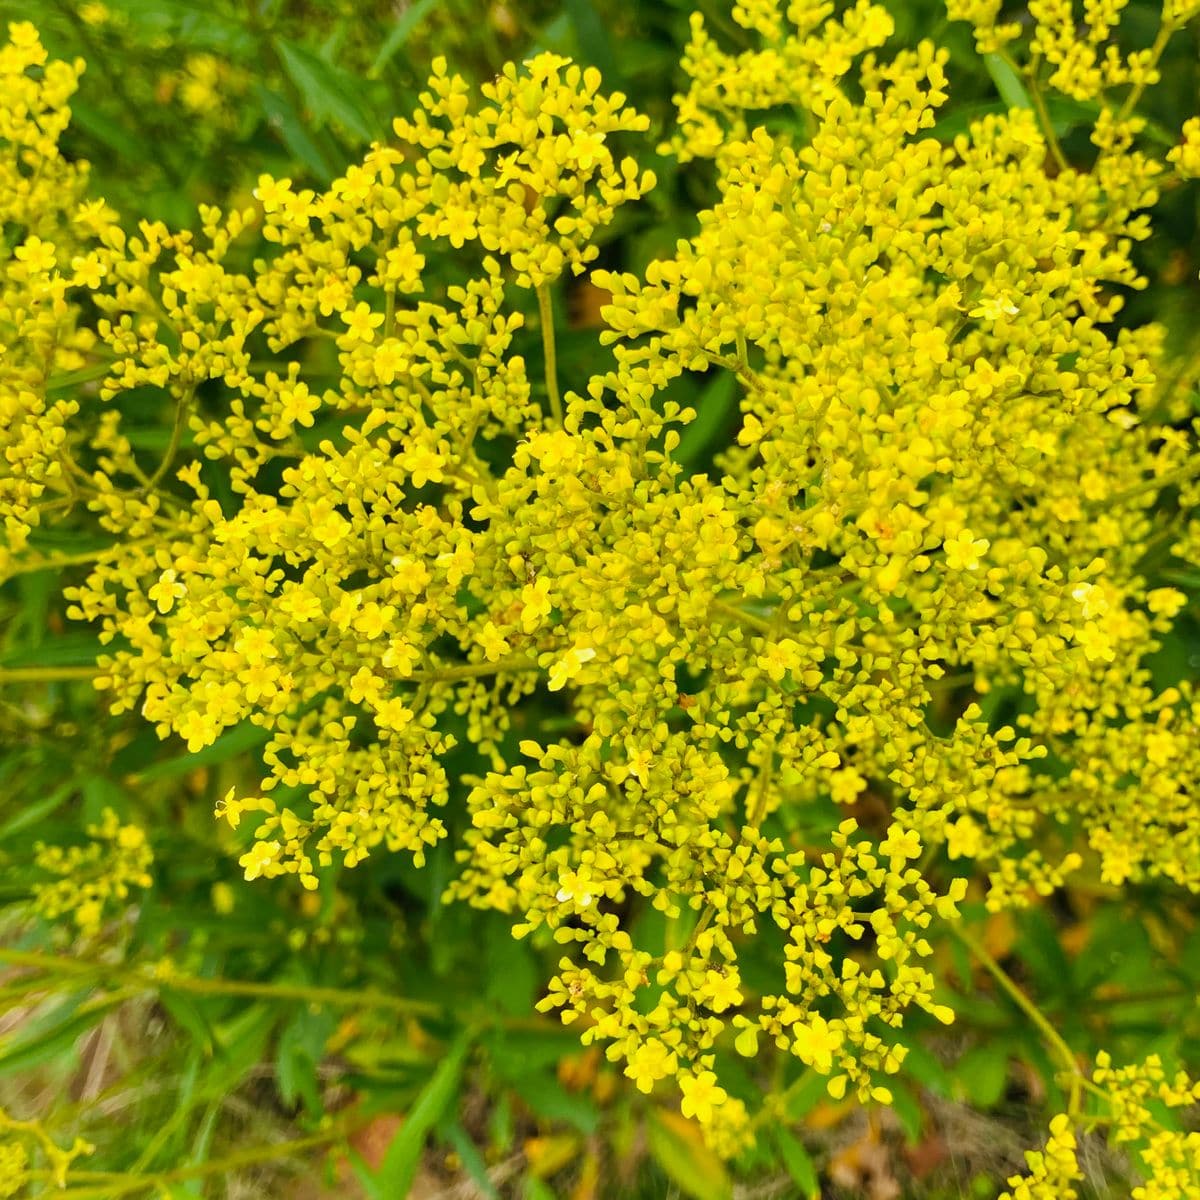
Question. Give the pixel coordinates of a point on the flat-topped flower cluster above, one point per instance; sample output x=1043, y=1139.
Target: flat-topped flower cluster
x=372, y=515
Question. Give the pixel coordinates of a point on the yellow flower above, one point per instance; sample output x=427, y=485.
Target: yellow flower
x=701, y=1095
x=963, y=550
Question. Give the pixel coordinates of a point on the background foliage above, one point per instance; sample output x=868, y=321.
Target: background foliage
x=308, y=1021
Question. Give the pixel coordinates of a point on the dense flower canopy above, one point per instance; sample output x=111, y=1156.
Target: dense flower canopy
x=369, y=518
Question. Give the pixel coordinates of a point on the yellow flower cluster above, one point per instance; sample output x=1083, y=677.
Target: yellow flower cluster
x=1186, y=156
x=16, y=1139
x=39, y=260
x=802, y=58
x=1168, y=1159
x=374, y=536
x=87, y=880
x=1083, y=58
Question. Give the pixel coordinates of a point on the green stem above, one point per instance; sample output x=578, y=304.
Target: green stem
x=18, y=675
x=472, y=670
x=249, y=1157
x=58, y=561
x=194, y=984
x=546, y=313
x=1043, y=115
x=181, y=414
x=1179, y=475
x=758, y=623
x=1156, y=52
x=1053, y=1038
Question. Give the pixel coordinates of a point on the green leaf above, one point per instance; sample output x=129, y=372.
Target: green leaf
x=592, y=41
x=693, y=1168
x=511, y=974
x=804, y=1094
x=63, y=650
x=799, y=1166
x=395, y=1176
x=107, y=132
x=1008, y=82
x=32, y=814
x=188, y=1015
x=55, y=1036
x=405, y=24
x=471, y=1159
x=983, y=1072
x=229, y=745
x=283, y=117
x=713, y=411
x=327, y=92
x=552, y=1102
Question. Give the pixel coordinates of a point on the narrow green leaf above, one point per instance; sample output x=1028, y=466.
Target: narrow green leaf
x=399, y=1168
x=471, y=1159
x=983, y=1072
x=63, y=650
x=284, y=119
x=693, y=1168
x=713, y=409
x=799, y=1166
x=591, y=36
x=326, y=90
x=229, y=745
x=552, y=1102
x=188, y=1015
x=58, y=1037
x=1008, y=82
x=400, y=32
x=32, y=814
x=107, y=132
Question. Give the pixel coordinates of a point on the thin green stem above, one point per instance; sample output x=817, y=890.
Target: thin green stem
x=1038, y=101
x=182, y=409
x=546, y=313
x=472, y=670
x=144, y=979
x=742, y=371
x=251, y=1156
x=1052, y=1037
x=1179, y=475
x=19, y=675
x=758, y=623
x=1165, y=32
x=58, y=561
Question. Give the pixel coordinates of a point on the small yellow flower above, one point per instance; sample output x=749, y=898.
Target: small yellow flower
x=963, y=550
x=702, y=1095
